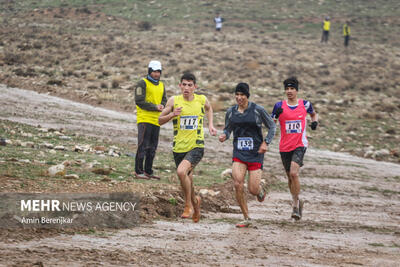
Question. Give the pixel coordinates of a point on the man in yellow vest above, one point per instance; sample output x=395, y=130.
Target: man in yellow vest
x=346, y=33
x=187, y=114
x=150, y=98
x=326, y=26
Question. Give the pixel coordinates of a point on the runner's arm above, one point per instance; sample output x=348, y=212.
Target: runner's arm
x=269, y=123
x=228, y=125
x=168, y=112
x=140, y=97
x=313, y=114
x=210, y=117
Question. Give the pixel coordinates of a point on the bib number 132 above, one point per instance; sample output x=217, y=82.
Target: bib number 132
x=245, y=143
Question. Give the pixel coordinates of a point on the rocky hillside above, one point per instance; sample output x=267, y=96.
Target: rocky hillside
x=96, y=52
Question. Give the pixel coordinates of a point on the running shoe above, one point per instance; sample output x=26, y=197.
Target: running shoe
x=263, y=192
x=298, y=212
x=244, y=224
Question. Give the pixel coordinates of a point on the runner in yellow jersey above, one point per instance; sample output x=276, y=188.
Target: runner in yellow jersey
x=187, y=113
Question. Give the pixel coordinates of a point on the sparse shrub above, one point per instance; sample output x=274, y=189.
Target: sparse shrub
x=172, y=201
x=11, y=58
x=144, y=26
x=37, y=45
x=104, y=85
x=25, y=73
x=55, y=82
x=115, y=83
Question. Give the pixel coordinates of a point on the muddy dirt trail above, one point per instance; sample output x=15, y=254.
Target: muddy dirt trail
x=351, y=215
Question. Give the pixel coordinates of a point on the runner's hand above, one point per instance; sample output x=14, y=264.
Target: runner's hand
x=160, y=107
x=177, y=111
x=222, y=138
x=278, y=112
x=314, y=125
x=212, y=131
x=263, y=148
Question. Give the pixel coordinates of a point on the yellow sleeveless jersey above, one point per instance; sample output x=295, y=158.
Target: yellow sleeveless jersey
x=188, y=127
x=346, y=30
x=327, y=25
x=154, y=95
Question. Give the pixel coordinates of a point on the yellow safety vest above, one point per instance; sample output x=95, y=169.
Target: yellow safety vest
x=346, y=30
x=154, y=94
x=188, y=126
x=327, y=25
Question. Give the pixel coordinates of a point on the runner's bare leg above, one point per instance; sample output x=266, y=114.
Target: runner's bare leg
x=238, y=174
x=294, y=182
x=186, y=182
x=254, y=182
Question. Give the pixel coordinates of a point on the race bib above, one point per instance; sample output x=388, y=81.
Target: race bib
x=189, y=122
x=293, y=126
x=245, y=143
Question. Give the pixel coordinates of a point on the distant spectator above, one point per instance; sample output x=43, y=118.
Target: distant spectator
x=326, y=26
x=346, y=33
x=218, y=22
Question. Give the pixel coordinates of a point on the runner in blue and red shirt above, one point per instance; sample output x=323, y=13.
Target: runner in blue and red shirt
x=292, y=114
x=245, y=120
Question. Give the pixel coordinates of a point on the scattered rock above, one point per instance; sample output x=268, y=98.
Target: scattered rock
x=17, y=143
x=203, y=192
x=59, y=148
x=64, y=137
x=78, y=149
x=226, y=173
x=56, y=170
x=102, y=171
x=381, y=153
x=153, y=199
x=28, y=144
x=48, y=145
x=71, y=176
x=99, y=148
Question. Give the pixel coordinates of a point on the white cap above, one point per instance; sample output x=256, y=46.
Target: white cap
x=155, y=65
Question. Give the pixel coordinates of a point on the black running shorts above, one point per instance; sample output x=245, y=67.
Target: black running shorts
x=193, y=156
x=296, y=155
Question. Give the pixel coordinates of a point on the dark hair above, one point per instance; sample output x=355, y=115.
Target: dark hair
x=188, y=77
x=291, y=82
x=243, y=88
